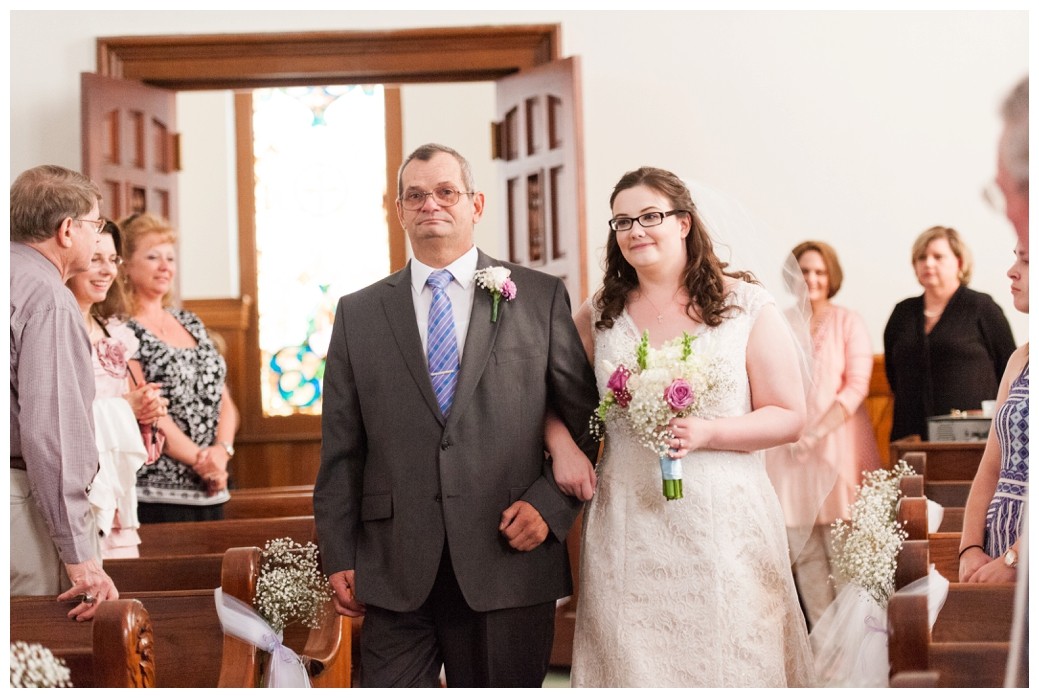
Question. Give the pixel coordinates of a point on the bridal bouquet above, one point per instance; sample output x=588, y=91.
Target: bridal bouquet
x=672, y=381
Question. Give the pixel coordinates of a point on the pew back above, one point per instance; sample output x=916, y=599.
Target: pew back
x=192, y=538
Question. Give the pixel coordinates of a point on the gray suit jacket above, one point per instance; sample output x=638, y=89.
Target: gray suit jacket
x=396, y=479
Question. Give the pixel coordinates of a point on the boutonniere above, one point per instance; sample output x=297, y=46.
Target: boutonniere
x=496, y=280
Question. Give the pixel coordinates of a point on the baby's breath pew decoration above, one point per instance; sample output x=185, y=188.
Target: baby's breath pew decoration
x=866, y=547
x=34, y=666
x=291, y=588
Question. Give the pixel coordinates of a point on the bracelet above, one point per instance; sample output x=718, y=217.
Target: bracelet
x=981, y=547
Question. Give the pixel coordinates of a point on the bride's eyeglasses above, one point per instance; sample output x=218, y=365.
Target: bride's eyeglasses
x=646, y=220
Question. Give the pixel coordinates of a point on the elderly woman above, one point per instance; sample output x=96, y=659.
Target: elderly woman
x=947, y=348
x=189, y=481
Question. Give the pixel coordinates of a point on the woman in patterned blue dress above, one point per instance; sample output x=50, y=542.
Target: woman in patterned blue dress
x=189, y=481
x=992, y=520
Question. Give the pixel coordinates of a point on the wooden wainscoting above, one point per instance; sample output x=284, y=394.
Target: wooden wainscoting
x=264, y=457
x=880, y=405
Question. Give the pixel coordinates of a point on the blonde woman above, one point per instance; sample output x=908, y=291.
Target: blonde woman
x=189, y=481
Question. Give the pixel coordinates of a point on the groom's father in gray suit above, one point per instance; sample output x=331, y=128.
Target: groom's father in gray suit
x=437, y=514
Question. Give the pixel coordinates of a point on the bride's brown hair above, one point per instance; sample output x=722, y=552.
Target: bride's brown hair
x=704, y=274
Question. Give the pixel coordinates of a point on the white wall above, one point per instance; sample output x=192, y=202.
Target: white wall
x=860, y=128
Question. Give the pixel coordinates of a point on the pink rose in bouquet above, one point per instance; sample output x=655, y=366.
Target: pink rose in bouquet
x=679, y=395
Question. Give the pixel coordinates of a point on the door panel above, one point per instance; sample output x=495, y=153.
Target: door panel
x=130, y=145
x=541, y=150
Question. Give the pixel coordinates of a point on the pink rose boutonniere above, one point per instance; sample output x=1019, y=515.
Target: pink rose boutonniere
x=111, y=354
x=496, y=280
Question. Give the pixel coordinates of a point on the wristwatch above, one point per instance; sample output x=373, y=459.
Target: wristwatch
x=1010, y=557
x=227, y=447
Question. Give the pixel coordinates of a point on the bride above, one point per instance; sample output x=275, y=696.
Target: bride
x=697, y=591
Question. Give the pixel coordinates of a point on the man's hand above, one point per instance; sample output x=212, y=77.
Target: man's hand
x=523, y=527
x=343, y=594
x=90, y=585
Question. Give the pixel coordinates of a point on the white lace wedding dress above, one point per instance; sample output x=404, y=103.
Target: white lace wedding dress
x=696, y=591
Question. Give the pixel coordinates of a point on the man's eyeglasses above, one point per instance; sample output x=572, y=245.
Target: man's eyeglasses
x=993, y=196
x=646, y=220
x=98, y=261
x=98, y=225
x=444, y=196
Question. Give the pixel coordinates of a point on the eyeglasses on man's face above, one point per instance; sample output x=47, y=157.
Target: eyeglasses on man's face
x=413, y=199
x=646, y=220
x=993, y=196
x=98, y=225
x=98, y=261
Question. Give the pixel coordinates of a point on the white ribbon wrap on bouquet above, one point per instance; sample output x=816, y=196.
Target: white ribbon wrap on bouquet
x=285, y=669
x=935, y=514
x=850, y=640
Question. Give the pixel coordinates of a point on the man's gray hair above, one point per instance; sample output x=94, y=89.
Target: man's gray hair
x=41, y=198
x=1014, y=146
x=425, y=153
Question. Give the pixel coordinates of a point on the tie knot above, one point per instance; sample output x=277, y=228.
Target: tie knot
x=439, y=279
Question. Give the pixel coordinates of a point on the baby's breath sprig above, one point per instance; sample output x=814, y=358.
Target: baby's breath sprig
x=291, y=588
x=35, y=666
x=866, y=547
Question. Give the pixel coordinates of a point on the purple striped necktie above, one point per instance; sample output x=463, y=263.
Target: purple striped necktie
x=441, y=343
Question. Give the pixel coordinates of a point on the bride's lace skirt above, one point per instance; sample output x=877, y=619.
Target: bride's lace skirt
x=692, y=592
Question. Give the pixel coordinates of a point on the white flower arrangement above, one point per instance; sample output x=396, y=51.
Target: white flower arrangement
x=290, y=587
x=866, y=547
x=35, y=666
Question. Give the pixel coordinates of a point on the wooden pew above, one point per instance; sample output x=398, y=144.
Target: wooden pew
x=167, y=573
x=112, y=651
x=916, y=557
x=948, y=467
x=192, y=538
x=265, y=502
x=911, y=510
x=968, y=645
x=203, y=572
x=187, y=647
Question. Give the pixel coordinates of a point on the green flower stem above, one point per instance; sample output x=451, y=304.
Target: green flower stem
x=494, y=306
x=672, y=489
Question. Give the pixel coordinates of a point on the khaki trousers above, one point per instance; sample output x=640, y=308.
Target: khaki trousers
x=36, y=568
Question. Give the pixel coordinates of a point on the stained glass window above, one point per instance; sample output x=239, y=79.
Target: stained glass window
x=320, y=173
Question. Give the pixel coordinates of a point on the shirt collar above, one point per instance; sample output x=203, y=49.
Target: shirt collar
x=463, y=269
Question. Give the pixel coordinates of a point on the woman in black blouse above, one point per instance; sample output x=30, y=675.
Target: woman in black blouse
x=946, y=349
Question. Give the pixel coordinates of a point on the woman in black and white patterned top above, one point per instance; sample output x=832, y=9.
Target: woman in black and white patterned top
x=189, y=481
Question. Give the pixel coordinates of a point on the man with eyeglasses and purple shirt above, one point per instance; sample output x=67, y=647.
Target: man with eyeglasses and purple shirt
x=55, y=227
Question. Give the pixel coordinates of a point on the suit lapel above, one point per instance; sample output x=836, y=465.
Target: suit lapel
x=478, y=343
x=400, y=314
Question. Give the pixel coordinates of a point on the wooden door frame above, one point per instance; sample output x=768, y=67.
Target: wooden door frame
x=248, y=61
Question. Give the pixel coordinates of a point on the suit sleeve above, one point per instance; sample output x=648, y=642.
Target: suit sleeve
x=573, y=395
x=337, y=490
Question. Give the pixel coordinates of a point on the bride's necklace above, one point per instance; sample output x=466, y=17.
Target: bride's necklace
x=660, y=314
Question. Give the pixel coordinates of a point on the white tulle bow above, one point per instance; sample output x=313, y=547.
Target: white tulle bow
x=286, y=669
